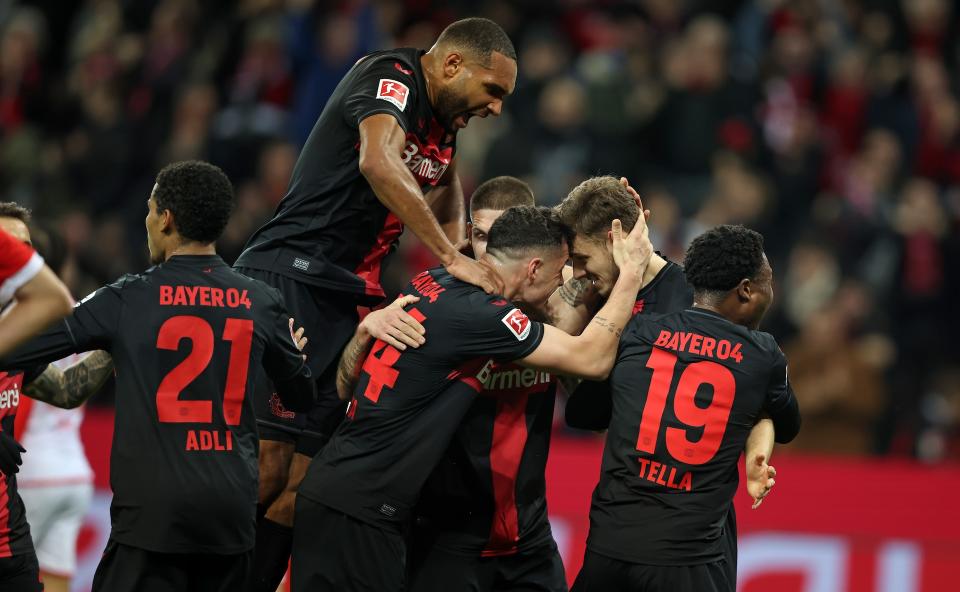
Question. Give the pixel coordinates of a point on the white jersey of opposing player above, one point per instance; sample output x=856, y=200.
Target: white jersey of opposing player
x=55, y=454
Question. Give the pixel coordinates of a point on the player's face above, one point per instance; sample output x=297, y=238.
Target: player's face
x=480, y=223
x=762, y=297
x=543, y=279
x=16, y=228
x=154, y=232
x=475, y=90
x=592, y=261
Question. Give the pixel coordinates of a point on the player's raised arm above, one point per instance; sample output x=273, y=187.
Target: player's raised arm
x=592, y=353
x=382, y=142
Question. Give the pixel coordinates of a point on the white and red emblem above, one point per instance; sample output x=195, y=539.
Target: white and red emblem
x=394, y=92
x=518, y=323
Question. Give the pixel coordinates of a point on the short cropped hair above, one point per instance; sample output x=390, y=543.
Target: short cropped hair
x=478, y=36
x=500, y=193
x=522, y=229
x=200, y=197
x=11, y=209
x=721, y=257
x=592, y=205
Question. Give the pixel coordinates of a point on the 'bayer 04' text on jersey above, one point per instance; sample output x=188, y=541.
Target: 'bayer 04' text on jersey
x=188, y=338
x=687, y=389
x=403, y=415
x=487, y=495
x=14, y=531
x=330, y=230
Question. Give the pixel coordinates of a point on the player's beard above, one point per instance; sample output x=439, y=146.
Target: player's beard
x=449, y=106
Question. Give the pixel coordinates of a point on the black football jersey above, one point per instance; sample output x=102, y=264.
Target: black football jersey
x=590, y=405
x=487, y=496
x=330, y=230
x=687, y=389
x=187, y=338
x=14, y=531
x=403, y=416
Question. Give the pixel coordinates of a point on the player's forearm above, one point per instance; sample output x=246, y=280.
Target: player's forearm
x=396, y=188
x=72, y=387
x=602, y=335
x=446, y=203
x=40, y=302
x=760, y=441
x=351, y=362
x=567, y=309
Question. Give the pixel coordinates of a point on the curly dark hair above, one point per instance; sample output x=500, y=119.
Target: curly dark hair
x=500, y=193
x=200, y=196
x=721, y=257
x=523, y=228
x=479, y=36
x=11, y=209
x=592, y=205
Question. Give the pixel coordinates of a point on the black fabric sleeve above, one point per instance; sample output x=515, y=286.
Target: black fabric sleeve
x=92, y=325
x=381, y=87
x=781, y=403
x=502, y=332
x=284, y=363
x=590, y=406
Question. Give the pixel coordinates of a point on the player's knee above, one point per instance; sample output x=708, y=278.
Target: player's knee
x=282, y=509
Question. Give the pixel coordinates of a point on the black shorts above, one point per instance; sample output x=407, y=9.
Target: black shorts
x=20, y=573
x=535, y=570
x=329, y=319
x=601, y=574
x=130, y=569
x=333, y=552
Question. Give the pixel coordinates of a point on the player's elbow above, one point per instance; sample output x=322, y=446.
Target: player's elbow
x=597, y=369
x=373, y=165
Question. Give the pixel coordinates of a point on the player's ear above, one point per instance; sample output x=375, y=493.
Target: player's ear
x=166, y=221
x=533, y=267
x=744, y=290
x=452, y=63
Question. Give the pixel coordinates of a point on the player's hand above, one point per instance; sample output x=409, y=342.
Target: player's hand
x=636, y=197
x=760, y=479
x=466, y=269
x=395, y=326
x=632, y=252
x=10, y=459
x=298, y=339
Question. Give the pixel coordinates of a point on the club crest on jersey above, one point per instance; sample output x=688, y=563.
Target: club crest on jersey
x=394, y=92
x=518, y=323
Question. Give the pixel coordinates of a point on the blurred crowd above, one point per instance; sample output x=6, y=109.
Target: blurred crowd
x=831, y=126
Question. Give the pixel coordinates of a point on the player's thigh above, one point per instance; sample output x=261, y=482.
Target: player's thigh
x=20, y=573
x=42, y=504
x=129, y=569
x=333, y=552
x=707, y=577
x=535, y=570
x=600, y=573
x=57, y=552
x=220, y=573
x=274, y=463
x=441, y=571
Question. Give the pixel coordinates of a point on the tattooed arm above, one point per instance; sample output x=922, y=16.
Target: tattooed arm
x=71, y=387
x=392, y=325
x=348, y=372
x=571, y=306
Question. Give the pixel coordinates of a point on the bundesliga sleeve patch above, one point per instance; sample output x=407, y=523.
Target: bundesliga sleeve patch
x=394, y=92
x=518, y=323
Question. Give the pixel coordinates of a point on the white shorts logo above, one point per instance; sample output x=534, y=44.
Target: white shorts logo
x=393, y=91
x=518, y=323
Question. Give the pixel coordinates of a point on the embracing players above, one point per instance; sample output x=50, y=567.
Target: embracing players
x=687, y=387
x=359, y=493
x=187, y=337
x=380, y=157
